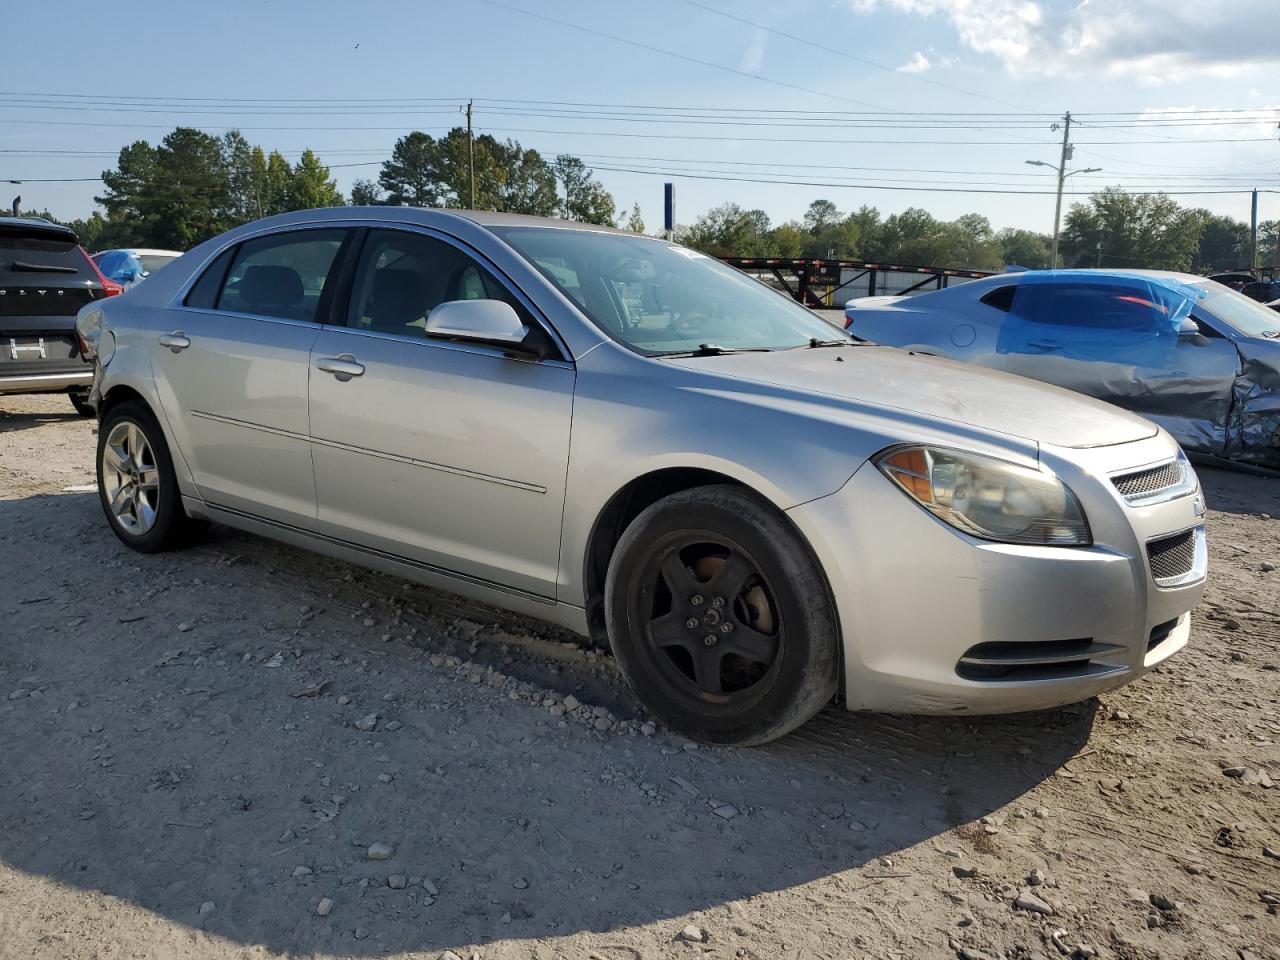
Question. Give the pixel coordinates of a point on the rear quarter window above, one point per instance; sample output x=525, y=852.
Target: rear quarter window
x=1001, y=298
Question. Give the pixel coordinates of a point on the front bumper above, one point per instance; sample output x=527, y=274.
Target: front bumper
x=934, y=621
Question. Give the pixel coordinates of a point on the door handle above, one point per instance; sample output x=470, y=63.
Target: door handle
x=1045, y=344
x=176, y=341
x=343, y=367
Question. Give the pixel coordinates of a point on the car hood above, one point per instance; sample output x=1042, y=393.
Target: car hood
x=886, y=377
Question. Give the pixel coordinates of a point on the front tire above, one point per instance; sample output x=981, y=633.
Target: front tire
x=136, y=483
x=721, y=618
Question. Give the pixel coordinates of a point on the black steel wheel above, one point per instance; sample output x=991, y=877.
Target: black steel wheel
x=720, y=617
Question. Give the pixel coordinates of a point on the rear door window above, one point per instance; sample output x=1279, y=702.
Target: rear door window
x=282, y=275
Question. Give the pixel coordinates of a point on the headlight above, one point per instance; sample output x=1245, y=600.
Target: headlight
x=988, y=498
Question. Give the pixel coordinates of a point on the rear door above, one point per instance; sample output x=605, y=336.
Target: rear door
x=450, y=454
x=1119, y=343
x=232, y=371
x=45, y=278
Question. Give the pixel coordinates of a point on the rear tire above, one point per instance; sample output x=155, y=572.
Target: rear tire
x=136, y=483
x=80, y=400
x=721, y=618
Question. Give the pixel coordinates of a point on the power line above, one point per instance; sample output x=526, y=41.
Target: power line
x=921, y=189
x=678, y=56
x=849, y=56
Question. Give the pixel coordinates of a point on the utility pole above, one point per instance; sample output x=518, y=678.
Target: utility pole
x=1253, y=235
x=1062, y=176
x=471, y=156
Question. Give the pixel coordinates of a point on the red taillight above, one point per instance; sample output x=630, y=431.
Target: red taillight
x=109, y=287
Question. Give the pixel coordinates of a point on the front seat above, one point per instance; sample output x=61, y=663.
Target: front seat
x=271, y=289
x=398, y=302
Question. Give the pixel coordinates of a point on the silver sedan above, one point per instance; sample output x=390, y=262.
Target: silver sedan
x=625, y=437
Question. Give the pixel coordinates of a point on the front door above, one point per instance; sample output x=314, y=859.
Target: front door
x=1121, y=343
x=446, y=453
x=231, y=366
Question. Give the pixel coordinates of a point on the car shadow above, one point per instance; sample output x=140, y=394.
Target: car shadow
x=11, y=420
x=158, y=751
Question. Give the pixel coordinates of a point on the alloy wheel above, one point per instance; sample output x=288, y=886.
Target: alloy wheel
x=130, y=478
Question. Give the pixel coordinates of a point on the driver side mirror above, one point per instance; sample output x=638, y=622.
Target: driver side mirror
x=1189, y=330
x=491, y=322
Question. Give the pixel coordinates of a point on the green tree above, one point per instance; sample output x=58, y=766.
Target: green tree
x=786, y=240
x=411, y=176
x=870, y=232
x=1026, y=248
x=585, y=199
x=1224, y=243
x=635, y=222
x=1124, y=230
x=127, y=189
x=728, y=231
x=821, y=213
x=365, y=193
x=237, y=157
x=277, y=185
x=310, y=186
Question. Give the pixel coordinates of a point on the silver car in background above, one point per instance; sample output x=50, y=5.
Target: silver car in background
x=625, y=437
x=1197, y=357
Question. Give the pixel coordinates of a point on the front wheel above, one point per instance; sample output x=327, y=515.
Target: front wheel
x=721, y=618
x=136, y=483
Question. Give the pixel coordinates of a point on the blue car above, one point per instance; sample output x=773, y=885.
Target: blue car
x=132, y=266
x=1196, y=357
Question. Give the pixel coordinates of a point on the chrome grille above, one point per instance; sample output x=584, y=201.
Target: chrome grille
x=1145, y=483
x=1172, y=557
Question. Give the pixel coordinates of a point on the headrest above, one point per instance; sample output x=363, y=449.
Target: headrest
x=271, y=285
x=397, y=297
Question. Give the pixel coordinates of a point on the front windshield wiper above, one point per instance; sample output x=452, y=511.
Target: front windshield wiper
x=714, y=350
x=814, y=343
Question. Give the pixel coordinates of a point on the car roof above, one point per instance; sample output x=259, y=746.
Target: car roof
x=36, y=227
x=426, y=216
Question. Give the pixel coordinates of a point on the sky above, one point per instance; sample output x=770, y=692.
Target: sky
x=889, y=103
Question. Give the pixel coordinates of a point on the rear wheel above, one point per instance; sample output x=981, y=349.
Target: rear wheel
x=136, y=482
x=720, y=617
x=80, y=400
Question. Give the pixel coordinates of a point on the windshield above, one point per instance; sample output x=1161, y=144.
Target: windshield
x=151, y=262
x=659, y=298
x=1249, y=317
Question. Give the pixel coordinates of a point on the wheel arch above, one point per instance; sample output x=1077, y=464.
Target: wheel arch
x=632, y=499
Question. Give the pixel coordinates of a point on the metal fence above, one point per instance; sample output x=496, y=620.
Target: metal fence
x=829, y=283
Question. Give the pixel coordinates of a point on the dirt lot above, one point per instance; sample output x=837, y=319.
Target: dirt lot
x=200, y=748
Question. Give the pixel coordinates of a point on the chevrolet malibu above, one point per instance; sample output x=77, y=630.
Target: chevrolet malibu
x=627, y=438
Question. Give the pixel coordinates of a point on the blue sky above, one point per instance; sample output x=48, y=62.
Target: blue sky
x=1015, y=60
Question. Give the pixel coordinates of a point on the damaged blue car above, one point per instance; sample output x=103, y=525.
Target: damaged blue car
x=1194, y=356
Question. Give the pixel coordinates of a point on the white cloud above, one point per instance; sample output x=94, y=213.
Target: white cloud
x=753, y=56
x=917, y=64
x=1150, y=41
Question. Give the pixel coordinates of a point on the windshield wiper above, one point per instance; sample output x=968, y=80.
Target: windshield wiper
x=814, y=343
x=714, y=350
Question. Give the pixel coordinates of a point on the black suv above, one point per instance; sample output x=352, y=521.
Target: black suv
x=45, y=278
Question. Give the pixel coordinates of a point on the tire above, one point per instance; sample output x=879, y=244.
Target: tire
x=80, y=400
x=132, y=455
x=721, y=618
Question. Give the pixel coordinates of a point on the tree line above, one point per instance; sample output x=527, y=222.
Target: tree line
x=1110, y=229
x=193, y=185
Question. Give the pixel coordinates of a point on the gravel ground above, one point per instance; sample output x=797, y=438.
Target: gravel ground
x=246, y=751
